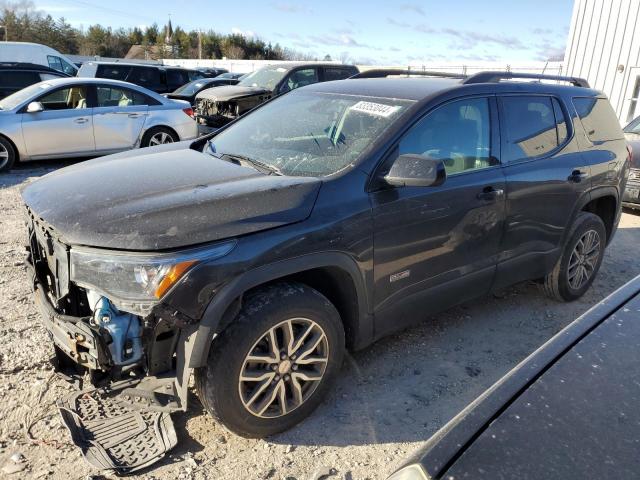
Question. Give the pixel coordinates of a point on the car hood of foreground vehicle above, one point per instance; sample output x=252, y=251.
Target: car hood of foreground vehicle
x=158, y=199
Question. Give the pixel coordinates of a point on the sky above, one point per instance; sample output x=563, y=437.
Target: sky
x=374, y=31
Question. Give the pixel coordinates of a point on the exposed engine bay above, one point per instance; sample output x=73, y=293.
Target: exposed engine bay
x=217, y=108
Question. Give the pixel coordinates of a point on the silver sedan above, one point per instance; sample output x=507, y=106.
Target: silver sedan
x=84, y=117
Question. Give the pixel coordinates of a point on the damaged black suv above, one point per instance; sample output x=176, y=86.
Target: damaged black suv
x=255, y=256
x=217, y=107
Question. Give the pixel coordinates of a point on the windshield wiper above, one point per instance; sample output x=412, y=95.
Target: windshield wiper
x=258, y=165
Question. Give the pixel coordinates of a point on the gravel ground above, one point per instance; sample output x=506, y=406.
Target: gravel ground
x=390, y=399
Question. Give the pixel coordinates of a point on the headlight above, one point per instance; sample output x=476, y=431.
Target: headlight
x=412, y=472
x=137, y=276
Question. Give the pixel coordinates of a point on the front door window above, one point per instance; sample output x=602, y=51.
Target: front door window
x=457, y=133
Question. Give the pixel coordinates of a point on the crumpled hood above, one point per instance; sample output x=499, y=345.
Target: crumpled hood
x=152, y=200
x=230, y=92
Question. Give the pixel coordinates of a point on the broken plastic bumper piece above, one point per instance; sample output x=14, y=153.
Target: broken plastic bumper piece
x=114, y=434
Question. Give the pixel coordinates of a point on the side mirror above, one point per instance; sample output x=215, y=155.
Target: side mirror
x=411, y=170
x=35, y=107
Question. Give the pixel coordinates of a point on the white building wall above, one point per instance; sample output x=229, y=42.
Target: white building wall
x=604, y=47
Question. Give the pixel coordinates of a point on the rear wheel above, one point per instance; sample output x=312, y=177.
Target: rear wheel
x=7, y=155
x=158, y=136
x=272, y=366
x=581, y=258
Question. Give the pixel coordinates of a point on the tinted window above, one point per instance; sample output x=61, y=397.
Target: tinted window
x=144, y=76
x=55, y=62
x=301, y=78
x=457, y=133
x=336, y=74
x=119, y=97
x=598, y=118
x=65, y=98
x=177, y=77
x=18, y=79
x=61, y=65
x=530, y=127
x=113, y=72
x=194, y=75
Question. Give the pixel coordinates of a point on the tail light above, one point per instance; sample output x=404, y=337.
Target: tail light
x=189, y=111
x=630, y=153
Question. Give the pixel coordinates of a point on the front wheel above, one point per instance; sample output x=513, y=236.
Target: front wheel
x=580, y=261
x=273, y=365
x=158, y=136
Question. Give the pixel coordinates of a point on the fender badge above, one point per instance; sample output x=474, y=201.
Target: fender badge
x=399, y=276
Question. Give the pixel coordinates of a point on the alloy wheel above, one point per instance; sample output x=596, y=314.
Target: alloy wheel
x=4, y=156
x=584, y=259
x=160, y=138
x=283, y=368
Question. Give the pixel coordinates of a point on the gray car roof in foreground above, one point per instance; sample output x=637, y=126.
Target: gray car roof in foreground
x=411, y=88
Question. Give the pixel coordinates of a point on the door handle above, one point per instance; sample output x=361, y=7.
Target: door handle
x=577, y=176
x=134, y=115
x=490, y=194
x=81, y=120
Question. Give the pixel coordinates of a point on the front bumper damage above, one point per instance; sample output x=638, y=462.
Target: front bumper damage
x=130, y=371
x=215, y=112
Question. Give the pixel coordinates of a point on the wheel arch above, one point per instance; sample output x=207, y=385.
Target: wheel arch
x=604, y=202
x=336, y=275
x=149, y=128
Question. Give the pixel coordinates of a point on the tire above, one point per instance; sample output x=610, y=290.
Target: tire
x=158, y=136
x=7, y=155
x=562, y=283
x=240, y=405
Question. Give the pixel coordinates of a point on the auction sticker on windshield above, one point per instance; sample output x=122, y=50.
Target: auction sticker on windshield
x=378, y=109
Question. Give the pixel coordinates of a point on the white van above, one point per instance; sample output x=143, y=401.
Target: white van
x=25, y=52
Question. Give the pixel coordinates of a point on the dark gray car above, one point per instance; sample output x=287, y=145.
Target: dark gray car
x=569, y=411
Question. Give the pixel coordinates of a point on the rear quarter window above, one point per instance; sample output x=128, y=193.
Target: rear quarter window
x=598, y=119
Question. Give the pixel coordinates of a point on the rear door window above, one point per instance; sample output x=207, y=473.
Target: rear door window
x=194, y=75
x=598, y=119
x=176, y=78
x=145, y=77
x=119, y=97
x=113, y=72
x=530, y=127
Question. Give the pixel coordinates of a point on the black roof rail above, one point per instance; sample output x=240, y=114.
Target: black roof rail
x=385, y=72
x=493, y=77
